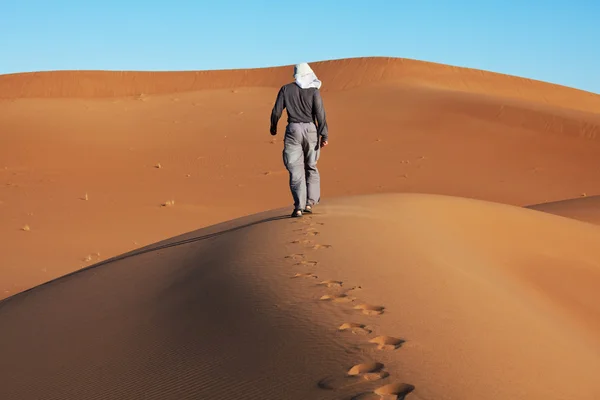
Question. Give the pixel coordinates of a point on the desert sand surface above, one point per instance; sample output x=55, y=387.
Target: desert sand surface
x=458, y=205
x=439, y=297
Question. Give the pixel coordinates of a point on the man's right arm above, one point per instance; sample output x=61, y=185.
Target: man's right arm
x=277, y=111
x=319, y=114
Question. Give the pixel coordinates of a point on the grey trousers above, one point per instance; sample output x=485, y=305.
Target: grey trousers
x=300, y=154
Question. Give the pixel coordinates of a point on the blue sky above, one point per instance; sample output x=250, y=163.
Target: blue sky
x=554, y=41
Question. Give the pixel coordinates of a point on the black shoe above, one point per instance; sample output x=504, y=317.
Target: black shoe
x=308, y=209
x=297, y=214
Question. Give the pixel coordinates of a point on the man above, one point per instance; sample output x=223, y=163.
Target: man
x=305, y=135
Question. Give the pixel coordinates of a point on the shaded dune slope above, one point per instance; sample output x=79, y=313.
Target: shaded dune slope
x=451, y=297
x=583, y=209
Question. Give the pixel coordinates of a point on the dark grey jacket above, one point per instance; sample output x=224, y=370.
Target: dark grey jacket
x=303, y=105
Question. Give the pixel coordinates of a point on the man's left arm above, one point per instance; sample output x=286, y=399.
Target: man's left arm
x=319, y=115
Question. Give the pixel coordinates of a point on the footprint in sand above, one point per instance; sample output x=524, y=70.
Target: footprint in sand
x=330, y=283
x=368, y=309
x=357, y=329
x=372, y=371
x=312, y=233
x=400, y=390
x=392, y=391
x=309, y=263
x=302, y=241
x=295, y=257
x=387, y=342
x=360, y=373
x=337, y=298
x=304, y=275
x=321, y=246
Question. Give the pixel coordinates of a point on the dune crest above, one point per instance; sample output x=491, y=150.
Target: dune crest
x=339, y=74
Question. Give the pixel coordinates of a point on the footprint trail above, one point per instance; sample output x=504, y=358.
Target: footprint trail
x=362, y=373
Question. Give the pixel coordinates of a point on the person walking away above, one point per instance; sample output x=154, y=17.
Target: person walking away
x=305, y=134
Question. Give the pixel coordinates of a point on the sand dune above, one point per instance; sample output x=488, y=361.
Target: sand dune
x=475, y=300
x=463, y=291
x=583, y=209
x=338, y=75
x=80, y=171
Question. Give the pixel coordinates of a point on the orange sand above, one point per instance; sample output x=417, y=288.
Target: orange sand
x=458, y=292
